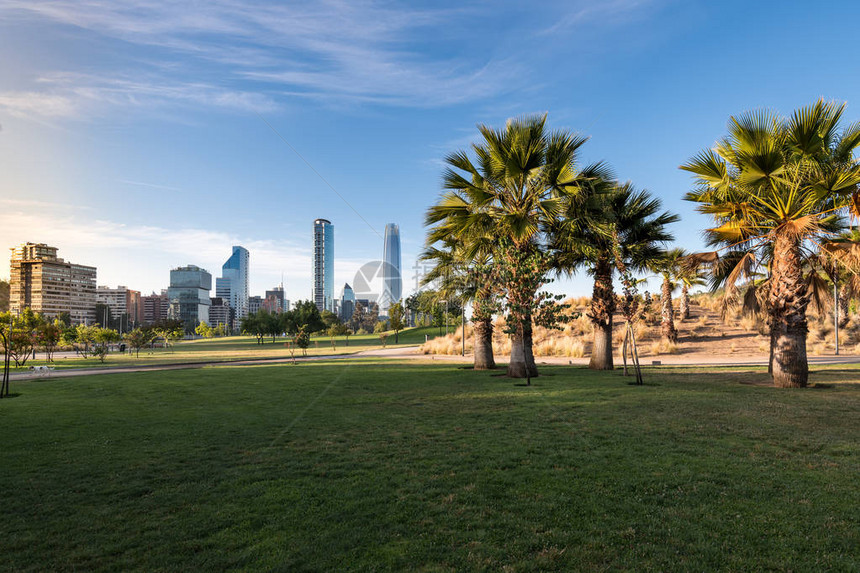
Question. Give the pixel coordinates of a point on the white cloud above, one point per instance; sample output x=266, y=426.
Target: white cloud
x=30, y=103
x=332, y=50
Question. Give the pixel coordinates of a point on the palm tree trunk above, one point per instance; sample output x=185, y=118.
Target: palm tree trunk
x=684, y=308
x=667, y=326
x=517, y=367
x=484, y=359
x=602, y=307
x=843, y=307
x=788, y=301
x=531, y=366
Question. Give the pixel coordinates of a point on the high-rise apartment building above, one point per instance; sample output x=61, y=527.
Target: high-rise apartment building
x=324, y=265
x=41, y=281
x=220, y=312
x=122, y=301
x=189, y=296
x=233, y=285
x=275, y=300
x=347, y=303
x=255, y=304
x=392, y=282
x=155, y=307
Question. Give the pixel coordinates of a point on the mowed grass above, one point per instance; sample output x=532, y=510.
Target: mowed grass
x=373, y=465
x=234, y=348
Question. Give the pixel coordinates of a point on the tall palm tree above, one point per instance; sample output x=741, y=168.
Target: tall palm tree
x=612, y=214
x=522, y=180
x=780, y=183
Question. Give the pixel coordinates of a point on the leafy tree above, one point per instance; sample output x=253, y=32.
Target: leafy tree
x=203, y=330
x=302, y=339
x=781, y=185
x=358, y=317
x=138, y=338
x=305, y=313
x=328, y=318
x=102, y=339
x=251, y=324
x=21, y=335
x=4, y=296
x=395, y=319
x=48, y=335
x=337, y=329
x=220, y=330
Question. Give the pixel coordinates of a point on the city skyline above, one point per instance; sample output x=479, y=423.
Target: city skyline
x=246, y=120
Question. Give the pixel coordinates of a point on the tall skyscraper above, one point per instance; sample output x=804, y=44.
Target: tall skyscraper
x=324, y=265
x=392, y=282
x=189, y=296
x=347, y=303
x=233, y=285
x=41, y=281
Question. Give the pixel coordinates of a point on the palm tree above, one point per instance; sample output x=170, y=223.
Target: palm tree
x=669, y=265
x=522, y=180
x=614, y=214
x=781, y=184
x=469, y=281
x=689, y=274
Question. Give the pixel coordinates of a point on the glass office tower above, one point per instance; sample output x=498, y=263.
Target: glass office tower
x=391, y=273
x=233, y=285
x=189, y=296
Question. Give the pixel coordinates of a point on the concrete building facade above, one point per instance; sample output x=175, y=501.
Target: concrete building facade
x=155, y=307
x=50, y=286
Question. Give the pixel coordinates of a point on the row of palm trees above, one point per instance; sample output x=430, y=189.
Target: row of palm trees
x=519, y=209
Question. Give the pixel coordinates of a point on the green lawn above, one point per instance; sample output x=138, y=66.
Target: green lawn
x=377, y=465
x=238, y=348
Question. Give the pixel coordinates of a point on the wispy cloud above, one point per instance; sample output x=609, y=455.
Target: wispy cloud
x=71, y=94
x=149, y=185
x=606, y=12
x=334, y=50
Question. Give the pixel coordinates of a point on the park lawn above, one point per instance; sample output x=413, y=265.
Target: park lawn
x=234, y=348
x=363, y=464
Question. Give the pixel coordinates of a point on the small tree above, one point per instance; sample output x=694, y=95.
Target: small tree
x=48, y=335
x=337, y=329
x=102, y=338
x=395, y=319
x=302, y=339
x=138, y=338
x=383, y=338
x=203, y=330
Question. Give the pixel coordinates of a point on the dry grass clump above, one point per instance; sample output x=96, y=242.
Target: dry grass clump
x=545, y=341
x=819, y=349
x=579, y=326
x=561, y=346
x=664, y=347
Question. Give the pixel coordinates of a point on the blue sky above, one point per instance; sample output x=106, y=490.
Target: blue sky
x=135, y=135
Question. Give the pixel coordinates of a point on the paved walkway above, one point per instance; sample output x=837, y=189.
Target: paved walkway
x=411, y=353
